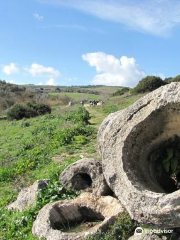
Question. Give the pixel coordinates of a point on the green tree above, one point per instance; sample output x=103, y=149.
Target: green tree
x=175, y=79
x=28, y=110
x=121, y=91
x=148, y=84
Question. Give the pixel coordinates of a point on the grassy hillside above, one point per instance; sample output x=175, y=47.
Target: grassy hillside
x=104, y=89
x=75, y=96
x=26, y=152
x=88, y=88
x=42, y=147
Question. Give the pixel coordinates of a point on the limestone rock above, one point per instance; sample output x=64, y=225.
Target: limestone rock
x=85, y=175
x=98, y=212
x=126, y=138
x=27, y=196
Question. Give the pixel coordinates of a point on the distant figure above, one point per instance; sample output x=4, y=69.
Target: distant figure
x=70, y=103
x=93, y=103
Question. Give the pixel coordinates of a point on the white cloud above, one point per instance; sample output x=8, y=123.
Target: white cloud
x=38, y=70
x=10, y=81
x=161, y=75
x=10, y=69
x=157, y=17
x=51, y=82
x=112, y=71
x=37, y=16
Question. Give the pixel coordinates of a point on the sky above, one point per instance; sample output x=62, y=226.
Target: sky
x=82, y=42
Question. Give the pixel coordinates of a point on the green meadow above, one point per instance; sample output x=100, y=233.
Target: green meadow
x=42, y=147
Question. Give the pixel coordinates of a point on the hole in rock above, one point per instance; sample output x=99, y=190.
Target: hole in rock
x=165, y=164
x=81, y=181
x=74, y=218
x=156, y=133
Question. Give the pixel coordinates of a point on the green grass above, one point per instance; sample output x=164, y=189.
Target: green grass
x=125, y=100
x=104, y=89
x=76, y=96
x=26, y=150
x=113, y=104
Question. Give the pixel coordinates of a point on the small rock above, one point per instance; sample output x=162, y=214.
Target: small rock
x=27, y=196
x=85, y=175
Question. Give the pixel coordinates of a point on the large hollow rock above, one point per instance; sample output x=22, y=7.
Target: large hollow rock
x=27, y=196
x=76, y=219
x=85, y=175
x=126, y=139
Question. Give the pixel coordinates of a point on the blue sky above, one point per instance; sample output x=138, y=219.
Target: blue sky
x=73, y=42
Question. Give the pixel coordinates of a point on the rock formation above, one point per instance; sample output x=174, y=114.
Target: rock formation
x=126, y=139
x=85, y=175
x=27, y=196
x=54, y=221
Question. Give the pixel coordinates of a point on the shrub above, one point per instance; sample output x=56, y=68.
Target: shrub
x=168, y=80
x=79, y=116
x=175, y=79
x=148, y=84
x=123, y=229
x=17, y=112
x=42, y=108
x=54, y=192
x=67, y=135
x=121, y=91
x=28, y=110
x=80, y=140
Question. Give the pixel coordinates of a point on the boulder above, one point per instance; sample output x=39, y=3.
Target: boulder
x=85, y=175
x=126, y=139
x=27, y=196
x=76, y=219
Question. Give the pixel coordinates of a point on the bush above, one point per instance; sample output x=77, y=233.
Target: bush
x=16, y=112
x=54, y=192
x=28, y=110
x=79, y=116
x=175, y=79
x=148, y=84
x=68, y=135
x=121, y=91
x=123, y=229
x=168, y=80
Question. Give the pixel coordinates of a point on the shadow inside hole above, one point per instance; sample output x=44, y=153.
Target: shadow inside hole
x=81, y=181
x=83, y=219
x=165, y=163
